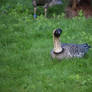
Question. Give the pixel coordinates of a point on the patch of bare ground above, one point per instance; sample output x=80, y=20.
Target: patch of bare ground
x=87, y=11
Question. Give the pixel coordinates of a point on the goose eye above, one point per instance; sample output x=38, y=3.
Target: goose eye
x=60, y=30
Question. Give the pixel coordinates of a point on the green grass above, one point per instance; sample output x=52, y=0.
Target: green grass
x=25, y=61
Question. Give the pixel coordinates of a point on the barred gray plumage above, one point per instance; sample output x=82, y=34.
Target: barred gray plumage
x=43, y=2
x=76, y=50
x=67, y=50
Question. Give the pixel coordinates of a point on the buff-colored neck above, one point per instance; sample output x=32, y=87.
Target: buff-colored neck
x=57, y=44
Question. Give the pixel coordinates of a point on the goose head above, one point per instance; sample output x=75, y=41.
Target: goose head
x=57, y=32
x=56, y=40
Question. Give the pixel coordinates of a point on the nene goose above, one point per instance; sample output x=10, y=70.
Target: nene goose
x=45, y=4
x=67, y=50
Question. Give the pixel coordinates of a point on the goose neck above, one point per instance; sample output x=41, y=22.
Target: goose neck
x=57, y=44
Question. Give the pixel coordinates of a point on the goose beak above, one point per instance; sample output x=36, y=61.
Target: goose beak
x=57, y=32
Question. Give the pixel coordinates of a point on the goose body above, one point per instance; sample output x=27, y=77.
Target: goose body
x=68, y=50
x=49, y=2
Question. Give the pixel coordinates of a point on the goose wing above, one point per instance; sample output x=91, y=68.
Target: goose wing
x=76, y=50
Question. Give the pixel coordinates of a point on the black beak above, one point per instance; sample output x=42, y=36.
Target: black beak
x=57, y=32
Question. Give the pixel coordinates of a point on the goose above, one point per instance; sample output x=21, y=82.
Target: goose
x=67, y=50
x=45, y=4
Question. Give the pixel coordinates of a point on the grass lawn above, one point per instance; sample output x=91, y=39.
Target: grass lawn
x=25, y=61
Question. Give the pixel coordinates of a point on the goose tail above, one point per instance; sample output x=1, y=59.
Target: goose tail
x=87, y=46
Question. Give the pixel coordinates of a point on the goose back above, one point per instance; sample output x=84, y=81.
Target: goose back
x=71, y=50
x=76, y=50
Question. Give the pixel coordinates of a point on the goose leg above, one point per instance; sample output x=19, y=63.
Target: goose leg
x=45, y=9
x=35, y=7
